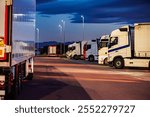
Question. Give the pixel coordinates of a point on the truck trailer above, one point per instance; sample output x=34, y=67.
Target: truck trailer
x=103, y=50
x=52, y=50
x=17, y=45
x=130, y=46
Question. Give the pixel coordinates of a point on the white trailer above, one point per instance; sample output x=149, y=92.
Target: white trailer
x=103, y=50
x=91, y=50
x=130, y=46
x=52, y=50
x=17, y=44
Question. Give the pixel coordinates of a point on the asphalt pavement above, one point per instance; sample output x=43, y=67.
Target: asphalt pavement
x=63, y=79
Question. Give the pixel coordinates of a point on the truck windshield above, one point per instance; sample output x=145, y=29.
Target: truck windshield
x=88, y=47
x=69, y=49
x=73, y=48
x=103, y=44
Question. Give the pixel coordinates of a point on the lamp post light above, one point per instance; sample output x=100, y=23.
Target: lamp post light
x=37, y=37
x=61, y=29
x=83, y=21
x=64, y=31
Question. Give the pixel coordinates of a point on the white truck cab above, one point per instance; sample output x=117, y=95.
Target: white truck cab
x=74, y=50
x=91, y=50
x=69, y=52
x=129, y=46
x=103, y=50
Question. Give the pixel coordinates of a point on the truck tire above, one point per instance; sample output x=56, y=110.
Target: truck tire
x=75, y=57
x=118, y=63
x=30, y=76
x=91, y=58
x=106, y=61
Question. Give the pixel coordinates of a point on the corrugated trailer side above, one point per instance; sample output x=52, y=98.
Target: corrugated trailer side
x=142, y=40
x=18, y=44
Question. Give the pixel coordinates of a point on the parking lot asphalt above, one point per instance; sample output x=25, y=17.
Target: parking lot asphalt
x=63, y=79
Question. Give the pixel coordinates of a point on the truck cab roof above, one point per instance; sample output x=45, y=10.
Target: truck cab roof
x=105, y=37
x=146, y=23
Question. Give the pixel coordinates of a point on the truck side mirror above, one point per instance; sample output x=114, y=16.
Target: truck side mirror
x=99, y=45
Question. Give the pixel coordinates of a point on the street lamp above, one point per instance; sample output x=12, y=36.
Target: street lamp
x=83, y=24
x=38, y=37
x=63, y=27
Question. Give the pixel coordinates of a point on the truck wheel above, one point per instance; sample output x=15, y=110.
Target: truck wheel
x=106, y=61
x=118, y=63
x=91, y=58
x=75, y=57
x=30, y=76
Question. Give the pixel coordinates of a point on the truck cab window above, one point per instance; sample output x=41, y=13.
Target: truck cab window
x=113, y=41
x=69, y=49
x=73, y=48
x=88, y=47
x=103, y=44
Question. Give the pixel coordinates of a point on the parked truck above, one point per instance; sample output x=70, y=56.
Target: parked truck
x=76, y=50
x=17, y=45
x=68, y=53
x=73, y=50
x=103, y=50
x=91, y=50
x=130, y=46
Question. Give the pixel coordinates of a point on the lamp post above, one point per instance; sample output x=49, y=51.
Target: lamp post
x=83, y=24
x=61, y=29
x=64, y=31
x=38, y=37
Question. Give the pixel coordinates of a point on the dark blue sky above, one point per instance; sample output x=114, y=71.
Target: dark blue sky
x=101, y=17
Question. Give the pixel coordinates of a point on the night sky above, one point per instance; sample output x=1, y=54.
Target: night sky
x=101, y=17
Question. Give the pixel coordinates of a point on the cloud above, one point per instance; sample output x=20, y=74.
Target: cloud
x=44, y=1
x=97, y=11
x=24, y=10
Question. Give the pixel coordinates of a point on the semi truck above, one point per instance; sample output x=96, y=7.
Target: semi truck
x=130, y=46
x=17, y=45
x=103, y=50
x=73, y=50
x=76, y=50
x=68, y=53
x=91, y=50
